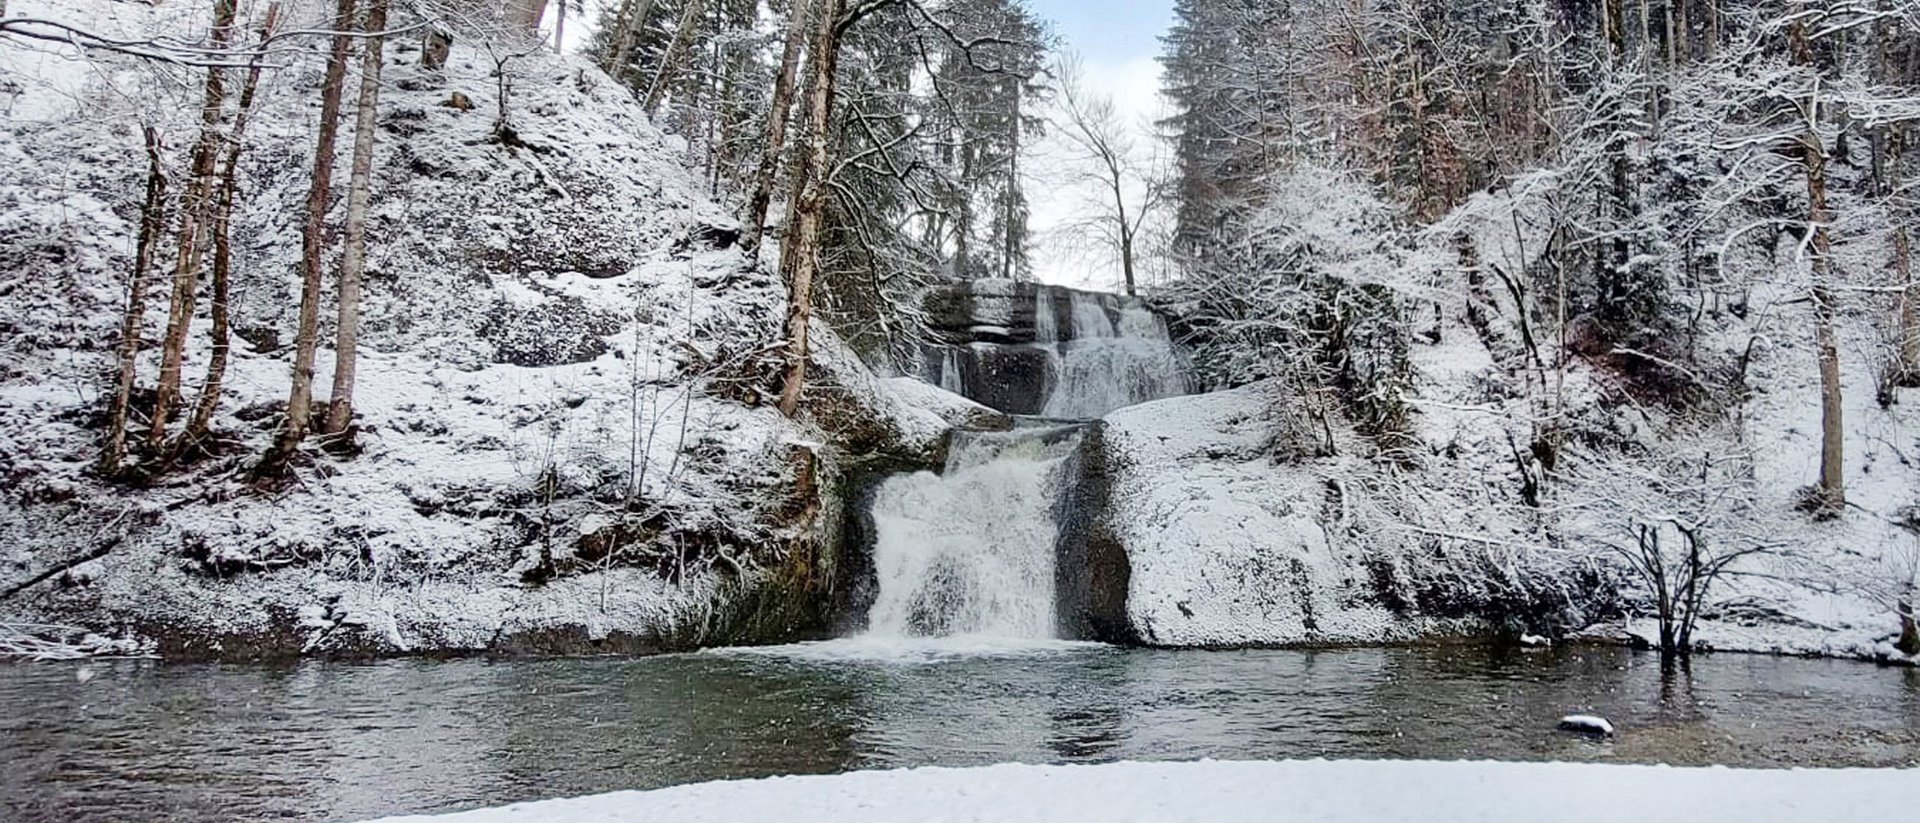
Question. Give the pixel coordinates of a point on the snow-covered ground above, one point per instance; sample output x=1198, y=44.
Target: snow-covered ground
x=1224, y=792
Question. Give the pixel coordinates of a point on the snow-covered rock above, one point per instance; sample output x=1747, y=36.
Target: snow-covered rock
x=1586, y=724
x=1235, y=539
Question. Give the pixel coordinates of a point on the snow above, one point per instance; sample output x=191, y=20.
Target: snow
x=1224, y=792
x=1234, y=540
x=1586, y=723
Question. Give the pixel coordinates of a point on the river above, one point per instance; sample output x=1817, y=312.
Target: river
x=143, y=741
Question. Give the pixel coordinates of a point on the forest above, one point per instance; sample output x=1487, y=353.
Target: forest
x=1629, y=206
x=768, y=339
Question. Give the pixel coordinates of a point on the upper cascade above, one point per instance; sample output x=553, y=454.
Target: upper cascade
x=1050, y=351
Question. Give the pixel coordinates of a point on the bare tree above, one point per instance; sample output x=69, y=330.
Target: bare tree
x=1683, y=519
x=1831, y=492
x=359, y=192
x=800, y=254
x=195, y=207
x=152, y=222
x=222, y=345
x=312, y=249
x=1103, y=155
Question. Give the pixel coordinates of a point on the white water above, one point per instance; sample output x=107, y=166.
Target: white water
x=950, y=372
x=971, y=552
x=1046, y=326
x=1108, y=365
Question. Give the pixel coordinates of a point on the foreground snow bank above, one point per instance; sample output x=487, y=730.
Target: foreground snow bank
x=1219, y=792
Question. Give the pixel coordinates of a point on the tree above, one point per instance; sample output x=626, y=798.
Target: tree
x=359, y=192
x=676, y=56
x=1103, y=154
x=1830, y=493
x=299, y=414
x=152, y=223
x=201, y=423
x=800, y=254
x=774, y=143
x=196, y=204
x=1685, y=520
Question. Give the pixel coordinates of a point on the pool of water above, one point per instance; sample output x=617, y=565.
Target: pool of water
x=142, y=741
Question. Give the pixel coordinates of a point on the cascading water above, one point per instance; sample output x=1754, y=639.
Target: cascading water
x=971, y=551
x=1109, y=364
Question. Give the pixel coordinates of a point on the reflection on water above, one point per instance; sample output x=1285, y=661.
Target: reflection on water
x=324, y=741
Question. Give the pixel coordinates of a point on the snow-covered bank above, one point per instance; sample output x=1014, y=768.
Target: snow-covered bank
x=1226, y=792
x=1235, y=537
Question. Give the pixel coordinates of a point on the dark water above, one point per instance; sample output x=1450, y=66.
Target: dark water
x=144, y=741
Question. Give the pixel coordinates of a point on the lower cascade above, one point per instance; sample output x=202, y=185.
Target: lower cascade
x=971, y=551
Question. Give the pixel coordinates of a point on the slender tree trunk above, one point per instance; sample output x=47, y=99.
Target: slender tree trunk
x=1832, y=485
x=203, y=409
x=1126, y=236
x=776, y=132
x=800, y=254
x=560, y=28
x=670, y=64
x=312, y=248
x=353, y=261
x=1909, y=305
x=152, y=221
x=195, y=205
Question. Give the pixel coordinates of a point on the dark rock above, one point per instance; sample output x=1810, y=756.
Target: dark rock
x=1091, y=571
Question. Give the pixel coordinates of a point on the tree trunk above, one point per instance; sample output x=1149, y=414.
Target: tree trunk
x=525, y=14
x=1832, y=486
x=312, y=247
x=353, y=261
x=195, y=205
x=560, y=28
x=625, y=33
x=152, y=221
x=1909, y=305
x=1126, y=239
x=676, y=54
x=1909, y=630
x=203, y=409
x=800, y=255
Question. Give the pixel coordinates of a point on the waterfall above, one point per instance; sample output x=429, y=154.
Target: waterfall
x=1110, y=365
x=971, y=551
x=950, y=376
x=1046, y=326
x=1062, y=354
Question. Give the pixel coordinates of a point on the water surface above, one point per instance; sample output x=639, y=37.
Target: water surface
x=143, y=741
